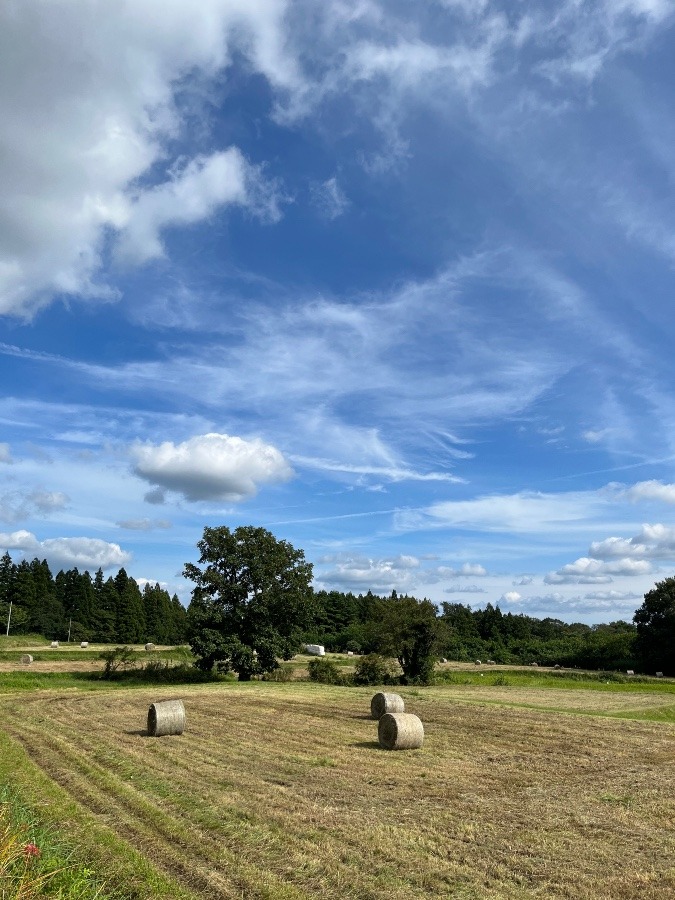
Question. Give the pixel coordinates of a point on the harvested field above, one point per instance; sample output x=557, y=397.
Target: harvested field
x=281, y=791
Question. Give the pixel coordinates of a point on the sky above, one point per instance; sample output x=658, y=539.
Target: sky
x=391, y=280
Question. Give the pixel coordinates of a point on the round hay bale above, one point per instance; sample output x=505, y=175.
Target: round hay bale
x=386, y=703
x=400, y=731
x=478, y=662
x=166, y=717
x=149, y=646
x=26, y=659
x=84, y=645
x=55, y=645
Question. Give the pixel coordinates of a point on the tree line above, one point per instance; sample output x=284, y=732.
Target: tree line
x=73, y=604
x=253, y=603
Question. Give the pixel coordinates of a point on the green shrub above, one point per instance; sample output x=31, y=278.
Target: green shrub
x=374, y=669
x=324, y=671
x=282, y=674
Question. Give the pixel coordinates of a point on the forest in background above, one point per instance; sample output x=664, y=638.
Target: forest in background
x=117, y=610
x=73, y=604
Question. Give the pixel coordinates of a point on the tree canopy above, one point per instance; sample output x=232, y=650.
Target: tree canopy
x=251, y=601
x=655, y=621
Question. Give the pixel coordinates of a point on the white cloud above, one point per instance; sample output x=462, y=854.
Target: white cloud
x=67, y=552
x=652, y=542
x=89, y=106
x=511, y=597
x=191, y=195
x=329, y=198
x=595, y=571
x=143, y=524
x=524, y=512
x=523, y=580
x=612, y=595
x=464, y=589
x=652, y=490
x=469, y=569
x=5, y=454
x=211, y=466
x=18, y=505
x=361, y=573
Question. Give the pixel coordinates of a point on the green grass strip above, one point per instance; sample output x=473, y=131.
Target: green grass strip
x=93, y=851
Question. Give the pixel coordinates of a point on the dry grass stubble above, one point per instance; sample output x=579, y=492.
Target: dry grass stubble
x=280, y=791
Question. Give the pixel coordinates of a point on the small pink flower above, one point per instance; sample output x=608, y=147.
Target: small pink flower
x=31, y=850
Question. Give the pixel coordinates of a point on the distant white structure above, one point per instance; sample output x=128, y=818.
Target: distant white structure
x=54, y=645
x=315, y=649
x=84, y=644
x=630, y=672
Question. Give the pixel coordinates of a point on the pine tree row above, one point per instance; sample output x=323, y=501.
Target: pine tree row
x=75, y=605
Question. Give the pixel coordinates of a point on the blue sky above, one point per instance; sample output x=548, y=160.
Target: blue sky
x=392, y=280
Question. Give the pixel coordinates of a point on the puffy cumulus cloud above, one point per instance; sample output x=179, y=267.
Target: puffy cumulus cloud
x=211, y=467
x=511, y=597
x=400, y=573
x=652, y=542
x=595, y=571
x=523, y=580
x=68, y=552
x=5, y=454
x=651, y=490
x=18, y=505
x=93, y=100
x=143, y=524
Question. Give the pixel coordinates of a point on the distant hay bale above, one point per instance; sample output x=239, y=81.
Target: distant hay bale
x=556, y=666
x=400, y=731
x=166, y=717
x=491, y=662
x=659, y=674
x=534, y=664
x=55, y=645
x=443, y=659
x=26, y=659
x=350, y=652
x=386, y=703
x=630, y=672
x=149, y=646
x=478, y=662
x=84, y=644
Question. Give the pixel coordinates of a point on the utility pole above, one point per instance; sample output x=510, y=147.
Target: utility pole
x=9, y=618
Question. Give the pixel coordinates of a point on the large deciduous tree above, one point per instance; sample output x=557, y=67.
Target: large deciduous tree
x=409, y=630
x=655, y=621
x=251, y=601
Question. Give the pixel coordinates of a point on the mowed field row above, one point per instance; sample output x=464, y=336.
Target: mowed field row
x=280, y=791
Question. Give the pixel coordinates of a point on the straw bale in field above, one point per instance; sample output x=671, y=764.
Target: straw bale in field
x=400, y=731
x=84, y=644
x=630, y=672
x=26, y=659
x=386, y=703
x=149, y=646
x=166, y=717
x=659, y=674
x=478, y=662
x=55, y=645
